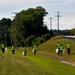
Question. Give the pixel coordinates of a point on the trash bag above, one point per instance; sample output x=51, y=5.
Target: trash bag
x=56, y=50
x=33, y=50
x=22, y=53
x=5, y=48
x=63, y=50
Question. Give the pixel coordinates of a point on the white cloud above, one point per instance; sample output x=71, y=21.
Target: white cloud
x=70, y=1
x=67, y=23
x=16, y=2
x=19, y=2
x=23, y=2
x=64, y=23
x=67, y=1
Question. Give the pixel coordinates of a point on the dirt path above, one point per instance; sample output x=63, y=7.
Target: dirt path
x=58, y=58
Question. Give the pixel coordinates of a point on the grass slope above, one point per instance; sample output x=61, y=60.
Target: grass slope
x=32, y=65
x=37, y=64
x=50, y=46
x=18, y=65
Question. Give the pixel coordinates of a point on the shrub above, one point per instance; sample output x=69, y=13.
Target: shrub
x=28, y=41
x=36, y=41
x=45, y=37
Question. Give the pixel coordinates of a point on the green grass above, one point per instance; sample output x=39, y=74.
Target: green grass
x=53, y=66
x=31, y=64
x=19, y=65
x=50, y=46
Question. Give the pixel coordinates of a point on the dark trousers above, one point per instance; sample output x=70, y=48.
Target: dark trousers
x=58, y=51
x=34, y=52
x=13, y=51
x=68, y=50
x=24, y=53
x=61, y=53
x=3, y=50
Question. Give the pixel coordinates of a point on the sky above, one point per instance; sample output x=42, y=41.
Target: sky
x=66, y=9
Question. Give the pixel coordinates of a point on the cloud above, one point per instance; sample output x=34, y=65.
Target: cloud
x=67, y=23
x=4, y=3
x=64, y=23
x=19, y=2
x=60, y=2
x=70, y=1
x=67, y=1
x=16, y=2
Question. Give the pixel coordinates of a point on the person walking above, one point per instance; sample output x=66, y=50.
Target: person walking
x=3, y=48
x=35, y=49
x=68, y=47
x=25, y=51
x=13, y=50
x=61, y=49
x=58, y=46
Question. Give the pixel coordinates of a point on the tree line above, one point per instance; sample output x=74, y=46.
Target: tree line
x=27, y=26
x=26, y=29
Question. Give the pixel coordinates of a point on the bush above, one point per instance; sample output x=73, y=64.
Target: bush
x=45, y=37
x=36, y=41
x=32, y=40
x=28, y=41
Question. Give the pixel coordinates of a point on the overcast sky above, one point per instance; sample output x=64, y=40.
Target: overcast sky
x=66, y=9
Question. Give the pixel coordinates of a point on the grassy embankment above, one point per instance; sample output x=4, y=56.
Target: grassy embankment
x=35, y=64
x=50, y=46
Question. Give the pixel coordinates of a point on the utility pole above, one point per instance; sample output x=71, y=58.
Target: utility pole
x=50, y=23
x=15, y=30
x=58, y=22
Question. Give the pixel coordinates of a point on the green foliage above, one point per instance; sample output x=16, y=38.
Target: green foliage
x=42, y=39
x=29, y=22
x=36, y=41
x=65, y=32
x=32, y=40
x=28, y=41
x=45, y=37
x=5, y=23
x=73, y=31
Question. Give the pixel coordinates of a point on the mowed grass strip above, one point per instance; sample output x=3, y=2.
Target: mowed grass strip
x=20, y=65
x=37, y=64
x=53, y=66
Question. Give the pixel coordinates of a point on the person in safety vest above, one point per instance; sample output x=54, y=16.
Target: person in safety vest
x=68, y=47
x=58, y=46
x=61, y=49
x=25, y=51
x=3, y=47
x=13, y=50
x=35, y=49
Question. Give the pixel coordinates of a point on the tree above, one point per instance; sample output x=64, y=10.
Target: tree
x=5, y=23
x=73, y=31
x=29, y=22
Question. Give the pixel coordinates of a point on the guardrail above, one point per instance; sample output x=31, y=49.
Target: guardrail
x=71, y=37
